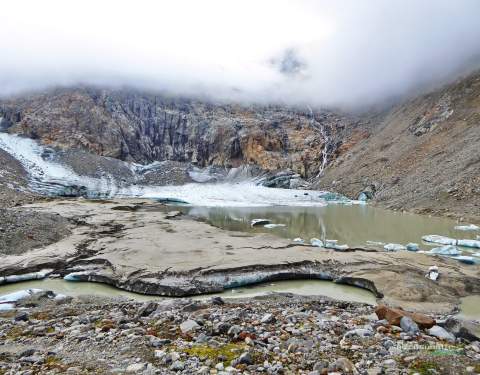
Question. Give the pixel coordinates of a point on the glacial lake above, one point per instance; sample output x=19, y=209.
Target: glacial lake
x=355, y=225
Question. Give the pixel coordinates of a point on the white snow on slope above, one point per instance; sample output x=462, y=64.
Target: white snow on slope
x=50, y=177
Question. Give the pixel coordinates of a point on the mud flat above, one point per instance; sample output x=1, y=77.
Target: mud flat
x=153, y=252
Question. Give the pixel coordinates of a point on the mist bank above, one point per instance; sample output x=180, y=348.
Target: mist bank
x=323, y=54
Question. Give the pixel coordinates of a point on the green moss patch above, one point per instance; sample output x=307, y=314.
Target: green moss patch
x=226, y=353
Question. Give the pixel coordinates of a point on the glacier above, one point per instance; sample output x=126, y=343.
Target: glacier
x=49, y=177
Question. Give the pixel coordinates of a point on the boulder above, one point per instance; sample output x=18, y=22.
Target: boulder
x=408, y=325
x=393, y=316
x=441, y=333
x=462, y=329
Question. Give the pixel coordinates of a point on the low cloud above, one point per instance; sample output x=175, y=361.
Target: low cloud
x=321, y=53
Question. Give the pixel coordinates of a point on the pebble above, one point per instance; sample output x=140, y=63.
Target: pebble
x=290, y=336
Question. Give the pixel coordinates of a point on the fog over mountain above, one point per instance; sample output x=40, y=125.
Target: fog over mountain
x=321, y=53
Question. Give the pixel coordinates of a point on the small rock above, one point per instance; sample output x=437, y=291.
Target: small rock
x=360, y=332
x=217, y=301
x=219, y=366
x=390, y=363
x=173, y=214
x=234, y=330
x=157, y=343
x=189, y=326
x=27, y=353
x=135, y=368
x=246, y=359
x=147, y=309
x=177, y=366
x=268, y=318
x=32, y=359
x=21, y=317
x=345, y=365
x=74, y=370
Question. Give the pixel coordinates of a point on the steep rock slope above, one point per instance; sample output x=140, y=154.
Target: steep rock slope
x=13, y=182
x=423, y=154
x=143, y=128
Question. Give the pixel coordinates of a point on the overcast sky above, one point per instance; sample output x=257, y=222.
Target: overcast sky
x=338, y=52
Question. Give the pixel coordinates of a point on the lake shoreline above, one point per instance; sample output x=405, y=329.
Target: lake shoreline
x=116, y=243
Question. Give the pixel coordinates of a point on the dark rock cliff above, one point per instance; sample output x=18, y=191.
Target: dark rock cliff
x=143, y=128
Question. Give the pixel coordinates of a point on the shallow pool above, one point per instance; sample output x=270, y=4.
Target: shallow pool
x=301, y=287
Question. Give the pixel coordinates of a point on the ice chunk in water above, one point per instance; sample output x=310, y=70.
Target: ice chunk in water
x=256, y=222
x=333, y=244
x=316, y=242
x=26, y=276
x=7, y=301
x=468, y=227
x=394, y=247
x=74, y=276
x=445, y=250
x=412, y=246
x=469, y=243
x=271, y=226
x=440, y=239
x=298, y=240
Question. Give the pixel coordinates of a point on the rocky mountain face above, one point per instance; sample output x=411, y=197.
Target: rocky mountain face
x=423, y=154
x=143, y=128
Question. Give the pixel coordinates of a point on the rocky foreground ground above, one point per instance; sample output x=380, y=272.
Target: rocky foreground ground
x=279, y=334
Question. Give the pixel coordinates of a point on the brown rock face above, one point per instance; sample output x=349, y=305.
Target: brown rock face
x=395, y=315
x=143, y=128
x=420, y=155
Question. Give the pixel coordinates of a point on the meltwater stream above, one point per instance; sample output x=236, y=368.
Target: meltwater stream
x=301, y=287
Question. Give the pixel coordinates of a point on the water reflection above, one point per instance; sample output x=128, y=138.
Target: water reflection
x=354, y=225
